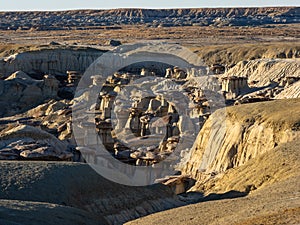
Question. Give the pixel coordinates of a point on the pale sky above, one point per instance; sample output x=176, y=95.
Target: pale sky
x=12, y=5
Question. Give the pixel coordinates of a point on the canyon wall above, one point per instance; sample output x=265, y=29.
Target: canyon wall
x=55, y=61
x=262, y=71
x=247, y=132
x=233, y=54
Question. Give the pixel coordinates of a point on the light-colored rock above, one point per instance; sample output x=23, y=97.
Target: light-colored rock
x=24, y=93
x=262, y=71
x=19, y=75
x=247, y=132
x=50, y=60
x=42, y=145
x=293, y=91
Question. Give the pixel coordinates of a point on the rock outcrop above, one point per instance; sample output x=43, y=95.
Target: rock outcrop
x=247, y=132
x=293, y=91
x=19, y=92
x=49, y=60
x=263, y=71
x=30, y=143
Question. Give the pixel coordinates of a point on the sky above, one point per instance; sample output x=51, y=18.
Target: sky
x=32, y=5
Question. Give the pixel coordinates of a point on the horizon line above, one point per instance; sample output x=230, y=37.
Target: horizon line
x=150, y=8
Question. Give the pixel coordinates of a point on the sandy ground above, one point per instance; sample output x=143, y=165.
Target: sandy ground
x=277, y=204
x=188, y=36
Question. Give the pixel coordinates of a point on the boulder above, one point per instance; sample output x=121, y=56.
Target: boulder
x=113, y=43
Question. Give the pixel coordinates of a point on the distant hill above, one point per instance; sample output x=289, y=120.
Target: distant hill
x=84, y=19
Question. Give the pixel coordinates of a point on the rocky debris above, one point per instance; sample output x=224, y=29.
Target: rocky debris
x=27, y=142
x=260, y=80
x=112, y=19
x=178, y=183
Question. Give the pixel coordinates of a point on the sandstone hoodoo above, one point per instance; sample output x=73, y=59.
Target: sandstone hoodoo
x=144, y=130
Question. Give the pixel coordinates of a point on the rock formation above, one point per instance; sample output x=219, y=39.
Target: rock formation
x=49, y=60
x=24, y=92
x=26, y=142
x=292, y=91
x=247, y=132
x=262, y=71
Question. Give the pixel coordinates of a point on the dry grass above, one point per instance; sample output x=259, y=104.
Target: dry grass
x=189, y=36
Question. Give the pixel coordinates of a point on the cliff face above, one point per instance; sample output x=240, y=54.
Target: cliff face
x=233, y=54
x=263, y=71
x=247, y=132
x=290, y=92
x=49, y=61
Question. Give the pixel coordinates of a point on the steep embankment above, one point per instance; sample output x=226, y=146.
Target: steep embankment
x=233, y=54
x=292, y=91
x=247, y=132
x=262, y=71
x=79, y=187
x=55, y=60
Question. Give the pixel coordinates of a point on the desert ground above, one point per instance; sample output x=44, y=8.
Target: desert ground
x=240, y=165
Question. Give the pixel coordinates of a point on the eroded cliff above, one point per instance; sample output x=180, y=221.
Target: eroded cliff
x=49, y=60
x=263, y=71
x=246, y=132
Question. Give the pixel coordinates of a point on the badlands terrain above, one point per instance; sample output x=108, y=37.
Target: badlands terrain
x=240, y=165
